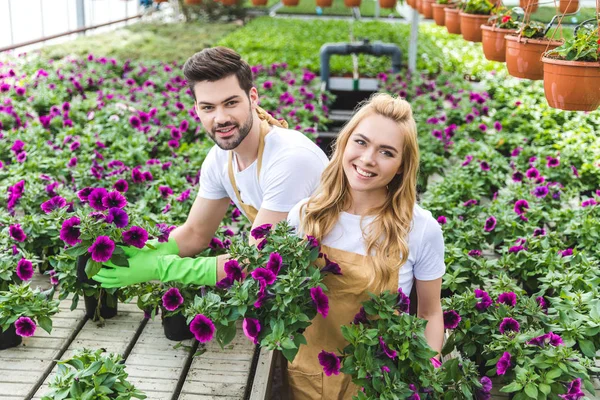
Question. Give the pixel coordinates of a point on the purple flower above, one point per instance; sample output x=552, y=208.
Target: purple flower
x=264, y=276
x=508, y=298
x=575, y=172
x=467, y=161
x=261, y=231
x=84, y=193
x=542, y=303
x=554, y=339
x=121, y=185
x=486, y=388
x=485, y=301
x=517, y=176
x=165, y=230
x=385, y=369
x=388, y=352
x=137, y=176
x=509, y=325
x=70, y=232
x=136, y=237
x=331, y=267
x=172, y=299
x=22, y=156
x=312, y=242
x=521, y=206
x=549, y=338
x=95, y=199
x=360, y=317
x=274, y=263
x=165, y=191
x=497, y=126
x=224, y=283
x=588, y=203
x=72, y=162
x=25, y=326
x=135, y=121
x=24, y=269
x=574, y=391
x=469, y=203
x=216, y=243
x=490, y=224
x=540, y=191
x=442, y=220
x=532, y=173
x=233, y=270
x=102, y=249
x=330, y=363
x=475, y=253
x=114, y=200
x=566, y=253
x=403, y=302
x=251, y=327
x=539, y=232
x=552, y=162
x=503, y=363
x=469, y=118
x=320, y=300
x=451, y=319
x=17, y=233
x=118, y=217
x=516, y=249
x=202, y=328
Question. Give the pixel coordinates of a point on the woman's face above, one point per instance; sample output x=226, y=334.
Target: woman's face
x=372, y=156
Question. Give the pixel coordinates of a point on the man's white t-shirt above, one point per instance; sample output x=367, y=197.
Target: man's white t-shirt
x=425, y=243
x=291, y=170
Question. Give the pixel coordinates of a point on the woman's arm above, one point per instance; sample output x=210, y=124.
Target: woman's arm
x=429, y=307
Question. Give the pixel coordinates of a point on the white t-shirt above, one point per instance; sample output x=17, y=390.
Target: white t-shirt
x=425, y=243
x=291, y=170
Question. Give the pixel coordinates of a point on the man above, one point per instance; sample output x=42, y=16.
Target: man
x=256, y=162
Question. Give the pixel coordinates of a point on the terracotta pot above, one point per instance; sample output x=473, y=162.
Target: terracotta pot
x=352, y=3
x=530, y=6
x=452, y=20
x=420, y=6
x=259, y=3
x=290, y=3
x=229, y=2
x=494, y=45
x=387, y=3
x=324, y=3
x=193, y=2
x=524, y=56
x=470, y=26
x=426, y=6
x=439, y=16
x=572, y=85
x=569, y=6
x=412, y=3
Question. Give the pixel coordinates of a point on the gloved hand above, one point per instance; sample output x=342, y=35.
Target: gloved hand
x=167, y=248
x=146, y=266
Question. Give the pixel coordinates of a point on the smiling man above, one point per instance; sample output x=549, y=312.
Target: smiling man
x=257, y=163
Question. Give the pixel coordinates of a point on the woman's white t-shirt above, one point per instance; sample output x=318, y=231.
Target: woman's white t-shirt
x=425, y=243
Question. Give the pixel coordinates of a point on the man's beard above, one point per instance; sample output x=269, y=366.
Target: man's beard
x=233, y=142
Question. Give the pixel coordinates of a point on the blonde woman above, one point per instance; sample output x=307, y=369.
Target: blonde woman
x=365, y=215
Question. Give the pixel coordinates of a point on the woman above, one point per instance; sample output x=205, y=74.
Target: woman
x=365, y=215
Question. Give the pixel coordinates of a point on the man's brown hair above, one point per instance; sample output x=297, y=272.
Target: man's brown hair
x=215, y=63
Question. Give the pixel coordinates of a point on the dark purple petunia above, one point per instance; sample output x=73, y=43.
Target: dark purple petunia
x=517, y=176
x=54, y=203
x=508, y=298
x=490, y=224
x=516, y=249
x=172, y=299
x=388, y=352
x=320, y=300
x=554, y=339
x=331, y=267
x=574, y=391
x=330, y=363
x=165, y=191
x=135, y=121
x=486, y=388
x=385, y=369
x=521, y=206
x=403, y=302
x=509, y=325
x=251, y=328
x=532, y=173
x=95, y=199
x=17, y=233
x=484, y=166
x=485, y=302
x=468, y=159
x=216, y=243
x=312, y=242
x=136, y=237
x=539, y=232
x=540, y=191
x=224, y=283
x=274, y=263
x=228, y=232
x=261, y=231
x=566, y=253
x=24, y=269
x=102, y=249
x=233, y=270
x=469, y=203
x=552, y=162
x=503, y=364
x=264, y=276
x=25, y=326
x=202, y=328
x=70, y=232
x=114, y=200
x=442, y=220
x=475, y=253
x=165, y=231
x=451, y=319
x=121, y=185
x=137, y=176
x=542, y=303
x=118, y=217
x=360, y=317
x=84, y=193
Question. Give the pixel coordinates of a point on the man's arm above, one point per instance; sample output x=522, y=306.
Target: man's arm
x=203, y=221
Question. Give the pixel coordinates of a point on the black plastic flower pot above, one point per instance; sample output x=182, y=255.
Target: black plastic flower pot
x=105, y=311
x=81, y=275
x=176, y=327
x=9, y=338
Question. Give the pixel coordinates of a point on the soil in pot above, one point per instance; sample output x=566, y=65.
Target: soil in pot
x=107, y=310
x=176, y=327
x=439, y=16
x=572, y=85
x=9, y=338
x=524, y=56
x=470, y=26
x=452, y=20
x=494, y=45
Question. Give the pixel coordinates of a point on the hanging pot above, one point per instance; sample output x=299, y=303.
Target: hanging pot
x=106, y=310
x=176, y=327
x=452, y=20
x=387, y=3
x=193, y=2
x=324, y=3
x=569, y=6
x=290, y=3
x=494, y=45
x=419, y=6
x=470, y=26
x=9, y=338
x=572, y=85
x=412, y=3
x=439, y=16
x=352, y=3
x=530, y=6
x=229, y=3
x=259, y=3
x=524, y=56
x=427, y=7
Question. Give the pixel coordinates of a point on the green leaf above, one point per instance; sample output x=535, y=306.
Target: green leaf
x=512, y=387
x=45, y=323
x=587, y=347
x=289, y=354
x=92, y=267
x=119, y=259
x=531, y=390
x=544, y=388
x=77, y=250
x=554, y=373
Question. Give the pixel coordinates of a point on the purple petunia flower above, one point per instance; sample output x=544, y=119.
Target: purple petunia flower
x=517, y=176
x=320, y=300
x=17, y=233
x=312, y=242
x=95, y=199
x=24, y=269
x=469, y=203
x=540, y=191
x=486, y=388
x=521, y=206
x=475, y=253
x=566, y=253
x=532, y=173
x=202, y=328
x=135, y=121
x=385, y=348
x=490, y=224
x=136, y=237
x=118, y=217
x=403, y=302
x=554, y=339
x=516, y=249
x=330, y=363
x=539, y=232
x=165, y=191
x=54, y=203
x=70, y=232
x=172, y=299
x=442, y=220
x=509, y=325
x=548, y=338
x=274, y=263
x=503, y=364
x=542, y=303
x=224, y=283
x=451, y=319
x=216, y=243
x=360, y=317
x=261, y=231
x=497, y=126
x=25, y=326
x=575, y=172
x=467, y=161
x=84, y=193
x=233, y=270
x=485, y=302
x=114, y=200
x=137, y=176
x=331, y=267
x=264, y=276
x=102, y=249
x=574, y=391
x=121, y=185
x=552, y=162
x=251, y=328
x=385, y=369
x=588, y=203
x=508, y=298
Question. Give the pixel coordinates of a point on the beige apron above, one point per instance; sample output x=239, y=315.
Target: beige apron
x=266, y=121
x=346, y=293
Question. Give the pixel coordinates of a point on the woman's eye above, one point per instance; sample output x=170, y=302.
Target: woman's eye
x=387, y=154
x=360, y=142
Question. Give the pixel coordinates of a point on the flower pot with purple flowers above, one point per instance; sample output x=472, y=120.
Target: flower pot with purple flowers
x=9, y=338
x=103, y=305
x=176, y=327
x=174, y=322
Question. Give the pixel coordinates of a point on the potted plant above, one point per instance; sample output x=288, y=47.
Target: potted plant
x=452, y=20
x=437, y=10
x=21, y=310
x=427, y=8
x=572, y=71
x=494, y=45
x=525, y=48
x=290, y=3
x=474, y=14
x=324, y=3
x=352, y=3
x=569, y=6
x=388, y=3
x=91, y=374
x=530, y=6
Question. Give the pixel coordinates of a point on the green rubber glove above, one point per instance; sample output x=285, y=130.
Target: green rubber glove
x=146, y=266
x=168, y=248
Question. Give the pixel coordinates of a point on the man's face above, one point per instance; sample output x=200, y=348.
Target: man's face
x=225, y=110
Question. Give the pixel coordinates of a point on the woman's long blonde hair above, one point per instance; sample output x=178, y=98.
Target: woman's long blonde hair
x=387, y=236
